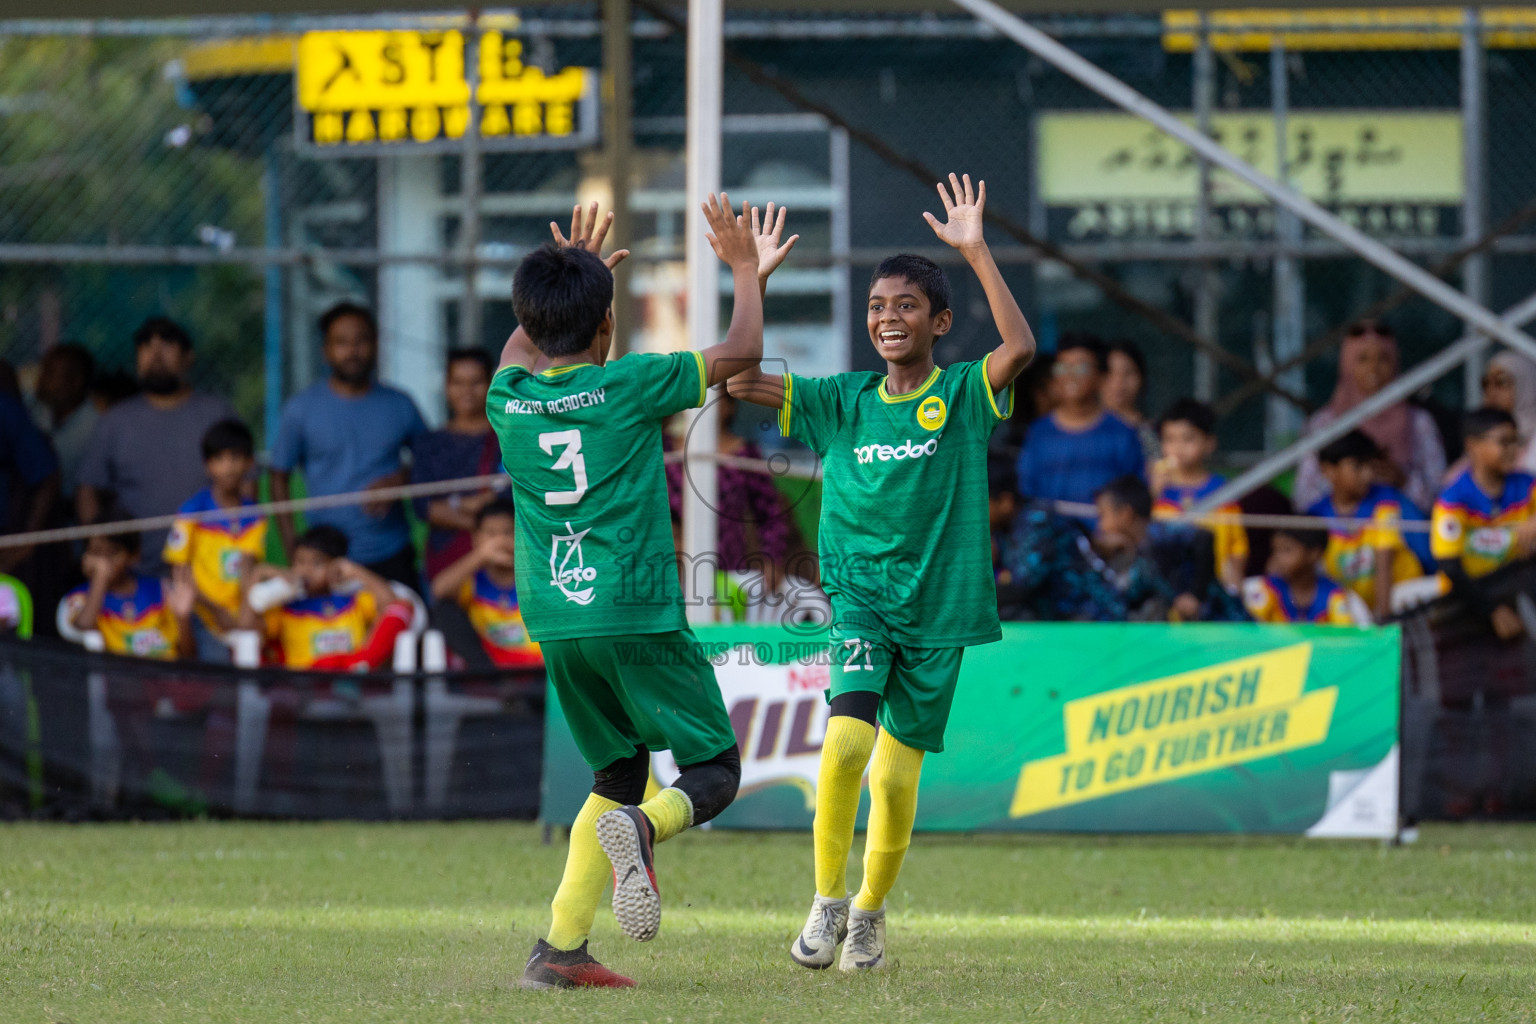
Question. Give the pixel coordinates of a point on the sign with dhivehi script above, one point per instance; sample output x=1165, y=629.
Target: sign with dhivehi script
x=381, y=91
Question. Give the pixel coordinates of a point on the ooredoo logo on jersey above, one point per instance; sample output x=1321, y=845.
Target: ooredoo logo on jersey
x=887, y=453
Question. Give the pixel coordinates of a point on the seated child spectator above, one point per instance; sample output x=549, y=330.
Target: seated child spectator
x=1485, y=519
x=482, y=587
x=135, y=614
x=1295, y=590
x=1368, y=560
x=1046, y=569
x=339, y=616
x=1181, y=478
x=219, y=550
x=1165, y=572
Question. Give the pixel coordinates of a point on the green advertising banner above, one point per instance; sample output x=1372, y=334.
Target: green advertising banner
x=1084, y=727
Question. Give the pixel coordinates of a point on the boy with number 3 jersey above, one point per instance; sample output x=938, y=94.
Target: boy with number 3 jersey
x=905, y=555
x=596, y=567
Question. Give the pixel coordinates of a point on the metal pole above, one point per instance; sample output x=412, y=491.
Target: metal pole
x=1208, y=281
x=1362, y=245
x=1431, y=369
x=618, y=103
x=272, y=305
x=1474, y=206
x=469, y=191
x=1286, y=338
x=705, y=82
x=842, y=287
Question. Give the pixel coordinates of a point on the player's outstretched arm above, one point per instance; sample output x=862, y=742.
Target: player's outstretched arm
x=587, y=232
x=733, y=240
x=963, y=208
x=753, y=385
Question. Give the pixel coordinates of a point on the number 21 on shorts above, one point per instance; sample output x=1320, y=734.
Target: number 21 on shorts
x=855, y=649
x=569, y=441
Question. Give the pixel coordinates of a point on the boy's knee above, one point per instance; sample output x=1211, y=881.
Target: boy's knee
x=623, y=781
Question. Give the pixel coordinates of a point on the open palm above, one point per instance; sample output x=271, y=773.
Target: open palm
x=587, y=232
x=963, y=207
x=767, y=233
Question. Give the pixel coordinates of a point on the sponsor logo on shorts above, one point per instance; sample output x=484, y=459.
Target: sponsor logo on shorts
x=886, y=453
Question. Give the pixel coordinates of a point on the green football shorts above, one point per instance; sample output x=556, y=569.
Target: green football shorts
x=916, y=684
x=657, y=690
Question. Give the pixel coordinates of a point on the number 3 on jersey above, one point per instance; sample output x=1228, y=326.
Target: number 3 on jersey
x=569, y=441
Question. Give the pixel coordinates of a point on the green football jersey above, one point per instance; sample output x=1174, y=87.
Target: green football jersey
x=906, y=549
x=594, y=530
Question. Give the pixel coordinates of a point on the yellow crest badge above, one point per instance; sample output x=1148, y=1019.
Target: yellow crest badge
x=931, y=414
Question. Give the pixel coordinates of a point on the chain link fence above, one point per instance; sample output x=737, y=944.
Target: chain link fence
x=241, y=175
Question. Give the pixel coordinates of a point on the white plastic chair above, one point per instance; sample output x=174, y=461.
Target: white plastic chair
x=1411, y=594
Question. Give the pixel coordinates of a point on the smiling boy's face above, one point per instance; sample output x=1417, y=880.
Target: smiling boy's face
x=901, y=326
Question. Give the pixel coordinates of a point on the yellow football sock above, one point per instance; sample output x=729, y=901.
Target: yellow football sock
x=586, y=874
x=844, y=755
x=670, y=812
x=893, y=779
x=652, y=787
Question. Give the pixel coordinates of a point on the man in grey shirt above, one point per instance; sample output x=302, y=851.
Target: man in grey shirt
x=145, y=455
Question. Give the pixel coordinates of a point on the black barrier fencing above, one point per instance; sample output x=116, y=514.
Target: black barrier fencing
x=1469, y=706
x=91, y=736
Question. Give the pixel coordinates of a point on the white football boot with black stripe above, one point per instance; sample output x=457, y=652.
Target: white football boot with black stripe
x=865, y=948
x=816, y=946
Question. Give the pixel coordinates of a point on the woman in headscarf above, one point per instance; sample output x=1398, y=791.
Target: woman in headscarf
x=1509, y=384
x=1413, y=457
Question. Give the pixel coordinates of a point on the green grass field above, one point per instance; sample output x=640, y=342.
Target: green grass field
x=431, y=923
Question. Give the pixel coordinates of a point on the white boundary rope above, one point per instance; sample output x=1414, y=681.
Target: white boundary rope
x=777, y=465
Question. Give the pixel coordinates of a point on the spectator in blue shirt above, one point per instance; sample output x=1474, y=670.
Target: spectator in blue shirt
x=348, y=433
x=1070, y=454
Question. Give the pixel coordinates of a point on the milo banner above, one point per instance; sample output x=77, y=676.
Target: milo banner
x=1081, y=727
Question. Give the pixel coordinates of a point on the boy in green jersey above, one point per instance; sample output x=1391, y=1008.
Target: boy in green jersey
x=905, y=555
x=597, y=573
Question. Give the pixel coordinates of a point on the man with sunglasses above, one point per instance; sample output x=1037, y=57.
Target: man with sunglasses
x=1072, y=453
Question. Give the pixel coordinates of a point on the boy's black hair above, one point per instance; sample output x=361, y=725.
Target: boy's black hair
x=478, y=356
x=1309, y=537
x=1002, y=477
x=162, y=327
x=560, y=295
x=1130, y=492
x=497, y=507
x=1131, y=351
x=344, y=309
x=921, y=271
x=326, y=539
x=129, y=540
x=1356, y=444
x=1192, y=411
x=1479, y=422
x=1090, y=343
x=228, y=436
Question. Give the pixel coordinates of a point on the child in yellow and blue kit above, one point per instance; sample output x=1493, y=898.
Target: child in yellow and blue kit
x=1294, y=590
x=1187, y=432
x=1486, y=517
x=219, y=550
x=482, y=587
x=135, y=614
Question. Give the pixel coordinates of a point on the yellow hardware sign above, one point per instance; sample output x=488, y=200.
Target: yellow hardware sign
x=1347, y=28
x=373, y=87
x=1178, y=726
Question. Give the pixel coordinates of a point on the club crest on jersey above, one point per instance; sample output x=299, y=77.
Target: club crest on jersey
x=906, y=450
x=931, y=414
x=567, y=570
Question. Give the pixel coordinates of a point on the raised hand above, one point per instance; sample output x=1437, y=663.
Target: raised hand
x=588, y=233
x=180, y=592
x=730, y=235
x=769, y=252
x=963, y=207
